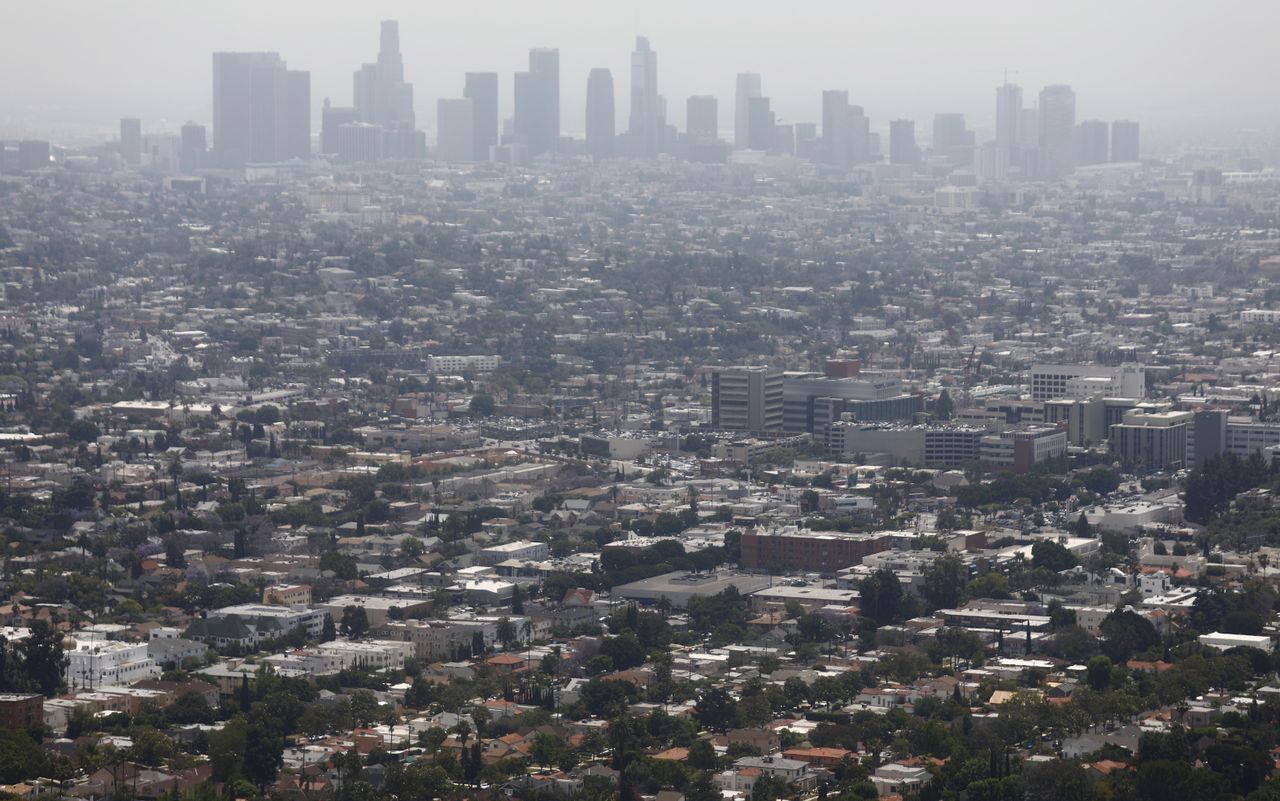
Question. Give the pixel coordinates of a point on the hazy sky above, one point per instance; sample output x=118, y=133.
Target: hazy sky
x=73, y=67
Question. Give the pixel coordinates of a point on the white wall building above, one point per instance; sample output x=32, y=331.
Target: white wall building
x=94, y=662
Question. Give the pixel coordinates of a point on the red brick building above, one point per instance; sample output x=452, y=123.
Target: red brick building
x=800, y=549
x=19, y=710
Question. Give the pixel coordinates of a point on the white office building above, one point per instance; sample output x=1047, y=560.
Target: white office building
x=95, y=661
x=1050, y=381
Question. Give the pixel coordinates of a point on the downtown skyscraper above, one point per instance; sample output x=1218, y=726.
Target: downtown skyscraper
x=1057, y=131
x=381, y=95
x=131, y=140
x=1008, y=118
x=382, y=98
x=261, y=110
x=1124, y=141
x=837, y=135
x=600, y=113
x=647, y=120
x=537, y=101
x=481, y=88
x=748, y=87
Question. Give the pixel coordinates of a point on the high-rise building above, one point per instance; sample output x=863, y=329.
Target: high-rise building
x=360, y=143
x=33, y=154
x=748, y=87
x=537, y=100
x=331, y=117
x=952, y=140
x=1057, y=131
x=1124, y=141
x=991, y=162
x=131, y=140
x=784, y=139
x=761, y=125
x=455, y=130
x=1151, y=442
x=1008, y=118
x=902, y=142
x=702, y=118
x=191, y=155
x=298, y=110
x=1091, y=143
x=601, y=116
x=253, y=111
x=837, y=134
x=481, y=89
x=381, y=95
x=746, y=399
x=647, y=120
x=860, y=134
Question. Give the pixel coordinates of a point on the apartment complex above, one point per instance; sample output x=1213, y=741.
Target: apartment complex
x=792, y=548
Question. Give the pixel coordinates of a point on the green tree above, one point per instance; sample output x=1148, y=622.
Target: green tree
x=226, y=749
x=1126, y=633
x=264, y=752
x=944, y=582
x=150, y=747
x=43, y=659
x=21, y=757
x=83, y=431
x=1099, y=672
x=355, y=622
x=1052, y=556
x=943, y=407
x=481, y=405
x=881, y=597
x=716, y=709
x=702, y=755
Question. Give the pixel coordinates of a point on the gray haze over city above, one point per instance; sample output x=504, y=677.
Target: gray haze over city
x=1181, y=66
x=675, y=401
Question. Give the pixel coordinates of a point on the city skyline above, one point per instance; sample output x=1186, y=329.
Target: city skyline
x=1216, y=89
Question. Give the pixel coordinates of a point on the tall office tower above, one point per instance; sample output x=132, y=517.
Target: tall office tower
x=761, y=125
x=523, y=110
x=859, y=135
x=251, y=108
x=748, y=87
x=1008, y=117
x=330, y=118
x=702, y=118
x=481, y=89
x=952, y=140
x=360, y=143
x=381, y=95
x=747, y=399
x=1057, y=131
x=537, y=96
x=991, y=161
x=1124, y=141
x=600, y=113
x=455, y=130
x=647, y=121
x=784, y=139
x=1091, y=143
x=837, y=134
x=298, y=127
x=1028, y=130
x=902, y=142
x=191, y=155
x=131, y=140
